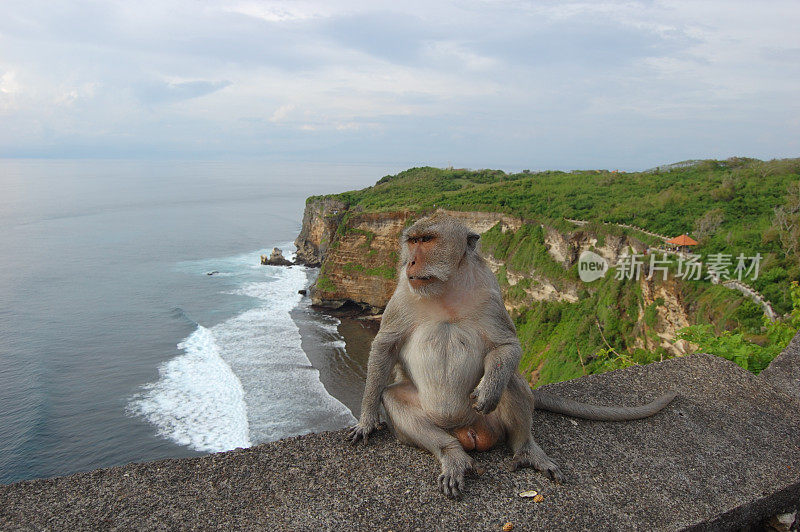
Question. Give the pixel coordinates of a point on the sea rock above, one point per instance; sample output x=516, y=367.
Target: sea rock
x=275, y=259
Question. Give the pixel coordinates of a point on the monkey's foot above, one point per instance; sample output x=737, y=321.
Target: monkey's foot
x=535, y=458
x=454, y=468
x=363, y=430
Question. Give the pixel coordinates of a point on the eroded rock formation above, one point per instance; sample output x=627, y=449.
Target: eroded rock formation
x=320, y=220
x=275, y=258
x=357, y=255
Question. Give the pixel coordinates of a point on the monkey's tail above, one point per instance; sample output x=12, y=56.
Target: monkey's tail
x=560, y=405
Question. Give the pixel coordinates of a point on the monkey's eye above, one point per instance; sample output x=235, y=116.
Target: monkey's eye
x=413, y=240
x=426, y=238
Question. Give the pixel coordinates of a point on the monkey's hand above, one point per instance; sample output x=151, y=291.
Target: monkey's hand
x=363, y=429
x=485, y=397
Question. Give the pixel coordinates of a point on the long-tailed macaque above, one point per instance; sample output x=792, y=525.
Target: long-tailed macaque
x=449, y=340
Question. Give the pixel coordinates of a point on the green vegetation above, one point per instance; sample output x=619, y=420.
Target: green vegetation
x=325, y=284
x=734, y=206
x=378, y=271
x=736, y=347
x=565, y=340
x=524, y=250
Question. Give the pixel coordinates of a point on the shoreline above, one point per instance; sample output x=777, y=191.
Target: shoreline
x=337, y=346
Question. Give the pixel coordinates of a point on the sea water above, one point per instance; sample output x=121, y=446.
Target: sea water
x=116, y=344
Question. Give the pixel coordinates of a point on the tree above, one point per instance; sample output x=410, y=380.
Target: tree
x=787, y=222
x=708, y=224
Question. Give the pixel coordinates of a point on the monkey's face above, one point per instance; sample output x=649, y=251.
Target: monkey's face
x=420, y=253
x=429, y=256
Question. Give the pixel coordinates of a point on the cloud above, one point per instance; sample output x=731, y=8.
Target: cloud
x=165, y=92
x=9, y=88
x=528, y=84
x=282, y=112
x=393, y=36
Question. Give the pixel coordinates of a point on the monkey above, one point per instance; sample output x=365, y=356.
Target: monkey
x=448, y=339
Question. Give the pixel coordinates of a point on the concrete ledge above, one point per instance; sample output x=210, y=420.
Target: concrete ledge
x=784, y=371
x=725, y=454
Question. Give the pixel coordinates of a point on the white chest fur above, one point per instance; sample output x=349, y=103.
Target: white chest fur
x=441, y=358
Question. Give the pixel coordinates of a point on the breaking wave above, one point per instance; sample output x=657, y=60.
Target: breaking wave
x=245, y=380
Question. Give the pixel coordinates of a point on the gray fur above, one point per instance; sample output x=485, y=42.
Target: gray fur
x=553, y=403
x=455, y=354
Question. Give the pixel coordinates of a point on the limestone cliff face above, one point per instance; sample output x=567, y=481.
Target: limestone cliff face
x=320, y=221
x=357, y=253
x=667, y=312
x=566, y=248
x=480, y=222
x=667, y=315
x=359, y=265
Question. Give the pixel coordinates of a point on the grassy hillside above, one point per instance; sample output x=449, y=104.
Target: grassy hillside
x=734, y=206
x=736, y=198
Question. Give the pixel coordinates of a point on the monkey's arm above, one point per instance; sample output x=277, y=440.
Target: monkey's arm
x=382, y=359
x=500, y=363
x=498, y=367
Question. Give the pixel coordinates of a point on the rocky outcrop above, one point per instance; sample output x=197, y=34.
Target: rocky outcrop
x=320, y=221
x=670, y=317
x=538, y=287
x=566, y=248
x=359, y=265
x=357, y=251
x=722, y=456
x=275, y=258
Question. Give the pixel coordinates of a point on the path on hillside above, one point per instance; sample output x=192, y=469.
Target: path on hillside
x=733, y=284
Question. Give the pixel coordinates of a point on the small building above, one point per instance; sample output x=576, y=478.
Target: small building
x=682, y=243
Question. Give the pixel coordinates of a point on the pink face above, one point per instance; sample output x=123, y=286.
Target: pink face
x=419, y=249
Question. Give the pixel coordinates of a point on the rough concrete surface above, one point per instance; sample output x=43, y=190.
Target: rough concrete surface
x=784, y=371
x=725, y=454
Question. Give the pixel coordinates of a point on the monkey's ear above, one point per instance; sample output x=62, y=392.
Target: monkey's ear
x=472, y=240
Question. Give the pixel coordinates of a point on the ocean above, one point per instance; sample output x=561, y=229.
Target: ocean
x=116, y=345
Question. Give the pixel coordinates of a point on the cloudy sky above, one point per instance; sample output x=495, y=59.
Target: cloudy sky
x=507, y=84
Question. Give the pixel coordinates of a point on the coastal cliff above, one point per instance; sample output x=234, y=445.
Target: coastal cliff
x=534, y=228
x=320, y=221
x=357, y=267
x=357, y=253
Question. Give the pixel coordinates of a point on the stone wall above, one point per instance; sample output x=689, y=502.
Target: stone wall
x=723, y=456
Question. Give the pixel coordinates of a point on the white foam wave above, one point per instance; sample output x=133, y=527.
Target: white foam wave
x=198, y=400
x=329, y=332
x=246, y=379
x=262, y=345
x=339, y=344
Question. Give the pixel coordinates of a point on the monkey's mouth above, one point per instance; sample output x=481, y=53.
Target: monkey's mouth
x=419, y=280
